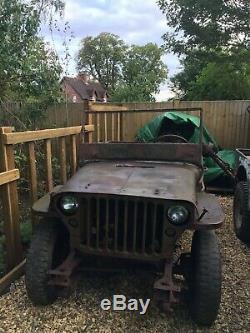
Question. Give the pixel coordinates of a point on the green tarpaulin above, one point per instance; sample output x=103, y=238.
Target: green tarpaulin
x=187, y=126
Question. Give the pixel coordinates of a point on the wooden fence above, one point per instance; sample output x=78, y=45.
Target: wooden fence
x=30, y=116
x=227, y=121
x=9, y=176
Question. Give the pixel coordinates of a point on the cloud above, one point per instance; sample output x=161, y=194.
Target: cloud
x=164, y=95
x=128, y=19
x=136, y=22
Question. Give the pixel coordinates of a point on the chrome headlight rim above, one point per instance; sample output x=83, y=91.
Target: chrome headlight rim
x=180, y=210
x=68, y=204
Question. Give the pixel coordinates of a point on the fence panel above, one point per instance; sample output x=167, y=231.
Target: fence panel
x=65, y=115
x=227, y=121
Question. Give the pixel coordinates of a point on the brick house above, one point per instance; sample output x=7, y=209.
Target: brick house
x=81, y=88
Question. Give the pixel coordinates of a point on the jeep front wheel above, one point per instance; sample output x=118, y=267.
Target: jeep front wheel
x=205, y=283
x=46, y=252
x=241, y=211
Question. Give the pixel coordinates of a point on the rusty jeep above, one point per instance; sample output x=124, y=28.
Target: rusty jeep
x=132, y=202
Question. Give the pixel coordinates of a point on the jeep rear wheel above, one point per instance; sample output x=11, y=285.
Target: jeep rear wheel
x=241, y=212
x=205, y=283
x=46, y=252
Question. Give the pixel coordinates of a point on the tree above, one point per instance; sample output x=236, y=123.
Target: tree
x=25, y=61
x=212, y=38
x=206, y=24
x=40, y=75
x=143, y=72
x=209, y=77
x=102, y=57
x=221, y=82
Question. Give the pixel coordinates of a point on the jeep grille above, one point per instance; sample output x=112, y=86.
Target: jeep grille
x=122, y=225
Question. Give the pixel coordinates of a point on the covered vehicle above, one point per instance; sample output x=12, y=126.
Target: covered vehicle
x=187, y=125
x=132, y=203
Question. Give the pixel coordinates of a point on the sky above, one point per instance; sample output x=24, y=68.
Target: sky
x=136, y=22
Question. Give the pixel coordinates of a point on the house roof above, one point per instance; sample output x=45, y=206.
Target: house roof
x=86, y=90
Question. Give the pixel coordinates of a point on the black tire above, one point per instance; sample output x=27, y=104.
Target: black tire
x=205, y=283
x=45, y=253
x=241, y=212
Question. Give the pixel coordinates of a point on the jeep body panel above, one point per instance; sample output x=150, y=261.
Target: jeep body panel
x=159, y=180
x=213, y=218
x=124, y=151
x=176, y=182
x=41, y=206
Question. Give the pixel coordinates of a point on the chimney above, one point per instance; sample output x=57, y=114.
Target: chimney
x=84, y=76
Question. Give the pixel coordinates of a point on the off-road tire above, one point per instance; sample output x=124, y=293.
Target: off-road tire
x=205, y=283
x=241, y=197
x=40, y=259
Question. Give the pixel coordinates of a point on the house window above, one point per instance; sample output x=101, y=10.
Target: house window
x=74, y=99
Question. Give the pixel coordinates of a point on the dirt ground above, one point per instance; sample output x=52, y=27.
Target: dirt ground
x=82, y=311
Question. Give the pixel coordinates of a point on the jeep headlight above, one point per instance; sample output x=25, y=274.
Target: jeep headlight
x=177, y=215
x=69, y=204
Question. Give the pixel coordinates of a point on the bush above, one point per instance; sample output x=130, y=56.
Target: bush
x=26, y=233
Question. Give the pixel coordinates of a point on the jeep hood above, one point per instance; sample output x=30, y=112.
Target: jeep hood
x=175, y=181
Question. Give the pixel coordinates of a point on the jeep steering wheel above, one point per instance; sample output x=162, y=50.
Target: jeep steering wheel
x=171, y=138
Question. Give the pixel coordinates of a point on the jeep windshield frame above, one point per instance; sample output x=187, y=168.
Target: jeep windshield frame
x=137, y=151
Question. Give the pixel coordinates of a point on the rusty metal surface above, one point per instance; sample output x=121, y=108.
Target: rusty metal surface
x=167, y=284
x=175, y=181
x=214, y=216
x=61, y=276
x=123, y=226
x=41, y=206
x=172, y=152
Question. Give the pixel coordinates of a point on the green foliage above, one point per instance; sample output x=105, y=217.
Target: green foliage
x=38, y=84
x=39, y=78
x=206, y=24
x=102, y=57
x=214, y=76
x=143, y=72
x=26, y=233
x=212, y=38
x=29, y=70
x=221, y=82
x=182, y=81
x=130, y=73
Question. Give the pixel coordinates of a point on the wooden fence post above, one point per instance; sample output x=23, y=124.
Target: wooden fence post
x=63, y=161
x=89, y=119
x=10, y=205
x=73, y=152
x=49, y=171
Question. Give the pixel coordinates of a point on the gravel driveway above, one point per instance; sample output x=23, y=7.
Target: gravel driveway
x=82, y=312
